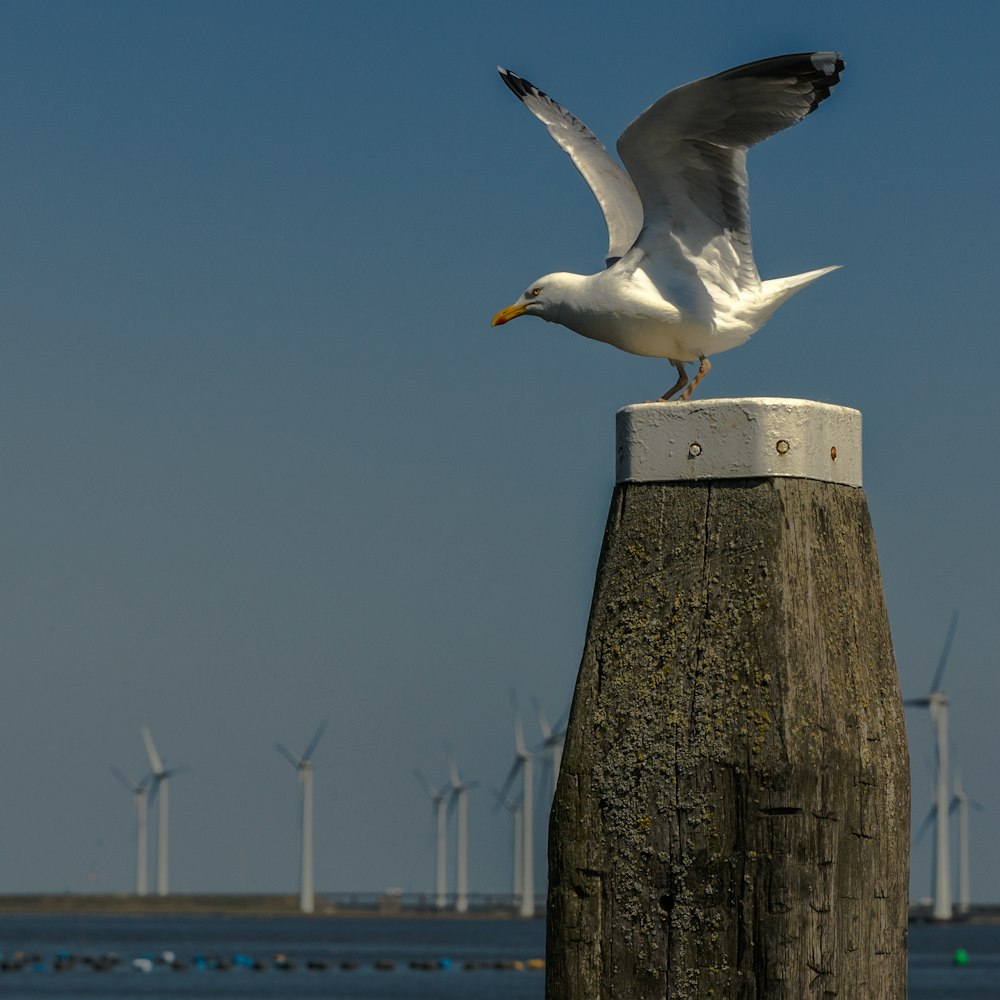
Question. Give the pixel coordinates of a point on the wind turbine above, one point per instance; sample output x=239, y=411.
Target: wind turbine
x=515, y=810
x=161, y=792
x=524, y=762
x=552, y=745
x=961, y=802
x=439, y=798
x=459, y=797
x=936, y=701
x=140, y=794
x=304, y=767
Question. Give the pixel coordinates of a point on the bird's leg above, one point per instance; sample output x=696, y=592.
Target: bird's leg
x=703, y=369
x=682, y=380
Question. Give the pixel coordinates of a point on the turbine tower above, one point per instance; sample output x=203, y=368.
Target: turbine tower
x=439, y=798
x=524, y=763
x=514, y=808
x=961, y=802
x=140, y=795
x=161, y=793
x=936, y=701
x=459, y=797
x=304, y=768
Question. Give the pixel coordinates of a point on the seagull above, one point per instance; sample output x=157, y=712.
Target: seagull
x=680, y=280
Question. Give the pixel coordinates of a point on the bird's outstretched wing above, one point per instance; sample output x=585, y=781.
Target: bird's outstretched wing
x=686, y=155
x=612, y=187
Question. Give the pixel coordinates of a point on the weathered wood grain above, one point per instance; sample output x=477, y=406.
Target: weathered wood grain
x=732, y=812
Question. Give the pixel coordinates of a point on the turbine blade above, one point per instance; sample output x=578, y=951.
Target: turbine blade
x=154, y=758
x=926, y=825
x=432, y=793
x=509, y=804
x=512, y=774
x=127, y=782
x=543, y=723
x=945, y=652
x=314, y=742
x=287, y=754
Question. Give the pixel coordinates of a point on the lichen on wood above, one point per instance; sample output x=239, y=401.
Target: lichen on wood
x=732, y=813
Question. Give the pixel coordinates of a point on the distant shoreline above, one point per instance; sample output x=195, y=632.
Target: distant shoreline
x=979, y=913
x=287, y=905
x=223, y=904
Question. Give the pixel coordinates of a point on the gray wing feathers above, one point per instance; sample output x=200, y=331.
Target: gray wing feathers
x=686, y=154
x=742, y=106
x=611, y=185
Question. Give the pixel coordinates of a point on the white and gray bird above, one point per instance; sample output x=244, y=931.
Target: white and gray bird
x=680, y=281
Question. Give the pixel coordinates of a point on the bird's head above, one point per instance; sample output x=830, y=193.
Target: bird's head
x=543, y=297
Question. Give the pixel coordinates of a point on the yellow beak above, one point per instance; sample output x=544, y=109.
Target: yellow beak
x=511, y=312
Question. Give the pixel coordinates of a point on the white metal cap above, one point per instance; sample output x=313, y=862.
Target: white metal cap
x=738, y=439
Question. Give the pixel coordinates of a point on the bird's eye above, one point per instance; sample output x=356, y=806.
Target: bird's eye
x=535, y=292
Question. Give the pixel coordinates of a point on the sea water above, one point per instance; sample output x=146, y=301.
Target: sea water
x=363, y=959
x=934, y=974
x=367, y=959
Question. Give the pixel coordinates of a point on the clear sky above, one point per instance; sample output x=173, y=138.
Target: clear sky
x=264, y=462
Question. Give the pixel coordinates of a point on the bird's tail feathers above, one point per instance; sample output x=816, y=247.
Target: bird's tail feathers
x=775, y=291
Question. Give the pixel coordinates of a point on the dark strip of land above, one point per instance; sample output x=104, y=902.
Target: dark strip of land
x=277, y=905
x=228, y=904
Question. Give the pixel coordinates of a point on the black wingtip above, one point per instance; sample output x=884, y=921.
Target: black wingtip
x=828, y=67
x=520, y=87
x=819, y=71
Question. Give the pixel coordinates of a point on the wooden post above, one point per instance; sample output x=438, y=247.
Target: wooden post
x=732, y=812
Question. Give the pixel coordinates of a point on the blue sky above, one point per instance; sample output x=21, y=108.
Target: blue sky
x=263, y=461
